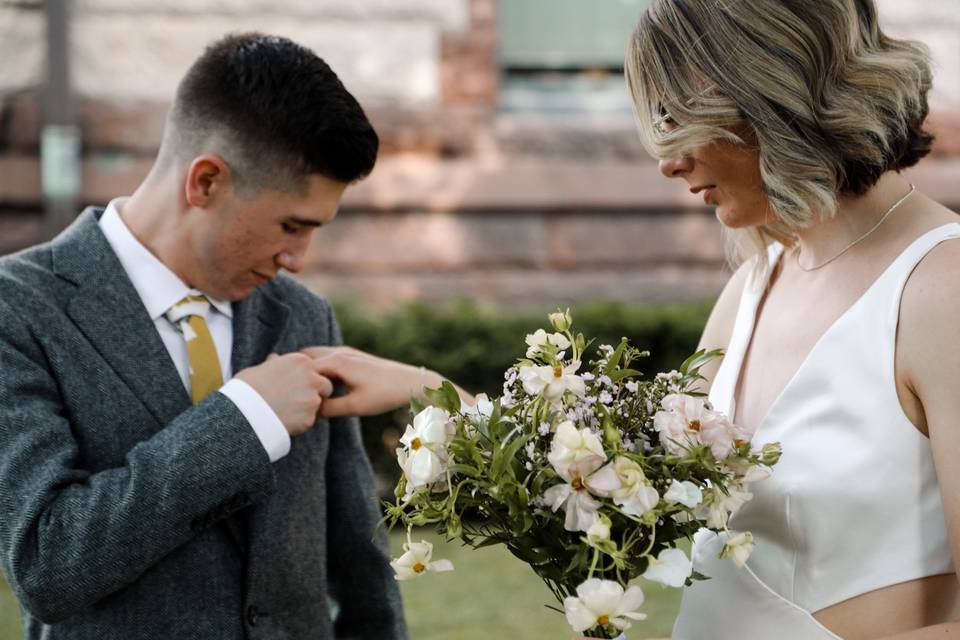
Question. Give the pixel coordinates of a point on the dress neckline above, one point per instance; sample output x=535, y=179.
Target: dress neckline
x=759, y=294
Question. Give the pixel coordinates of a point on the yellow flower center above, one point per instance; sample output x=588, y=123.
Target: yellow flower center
x=695, y=425
x=416, y=444
x=577, y=483
x=739, y=442
x=419, y=568
x=603, y=621
x=558, y=372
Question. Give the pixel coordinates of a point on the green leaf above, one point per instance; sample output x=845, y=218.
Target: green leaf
x=614, y=360
x=503, y=456
x=617, y=376
x=451, y=396
x=465, y=469
x=692, y=365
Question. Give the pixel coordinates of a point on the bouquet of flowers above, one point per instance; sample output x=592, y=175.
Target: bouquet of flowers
x=589, y=474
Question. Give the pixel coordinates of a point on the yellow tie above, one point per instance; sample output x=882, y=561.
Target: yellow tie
x=189, y=315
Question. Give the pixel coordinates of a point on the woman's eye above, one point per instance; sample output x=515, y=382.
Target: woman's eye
x=665, y=121
x=288, y=228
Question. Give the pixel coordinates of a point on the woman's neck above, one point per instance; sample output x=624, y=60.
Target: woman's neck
x=856, y=215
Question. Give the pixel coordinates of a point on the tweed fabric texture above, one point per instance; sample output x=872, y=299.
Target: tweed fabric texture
x=127, y=512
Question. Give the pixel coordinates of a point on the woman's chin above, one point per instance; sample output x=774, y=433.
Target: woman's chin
x=733, y=219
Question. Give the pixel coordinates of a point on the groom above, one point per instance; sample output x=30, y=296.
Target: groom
x=163, y=473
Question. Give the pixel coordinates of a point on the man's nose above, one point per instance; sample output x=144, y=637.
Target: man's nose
x=676, y=167
x=292, y=260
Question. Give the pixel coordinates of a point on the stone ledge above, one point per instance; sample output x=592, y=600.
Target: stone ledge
x=409, y=183
x=379, y=243
x=523, y=288
x=135, y=127
x=451, y=14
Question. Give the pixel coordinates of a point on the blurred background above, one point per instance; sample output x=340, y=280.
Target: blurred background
x=510, y=182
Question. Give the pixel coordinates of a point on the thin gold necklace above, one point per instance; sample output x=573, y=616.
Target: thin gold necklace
x=852, y=244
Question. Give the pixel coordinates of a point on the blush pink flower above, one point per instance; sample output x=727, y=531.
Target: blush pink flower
x=686, y=421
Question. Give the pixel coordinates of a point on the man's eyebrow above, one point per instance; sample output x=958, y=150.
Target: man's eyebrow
x=305, y=222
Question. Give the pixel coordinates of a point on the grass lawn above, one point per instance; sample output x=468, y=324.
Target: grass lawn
x=9, y=614
x=490, y=595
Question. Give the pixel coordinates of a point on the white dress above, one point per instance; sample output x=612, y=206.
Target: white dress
x=854, y=503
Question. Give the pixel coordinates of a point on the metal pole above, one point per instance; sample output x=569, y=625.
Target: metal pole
x=60, y=138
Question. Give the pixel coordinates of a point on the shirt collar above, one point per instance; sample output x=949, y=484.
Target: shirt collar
x=158, y=286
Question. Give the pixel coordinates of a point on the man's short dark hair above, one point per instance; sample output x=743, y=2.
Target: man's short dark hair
x=274, y=110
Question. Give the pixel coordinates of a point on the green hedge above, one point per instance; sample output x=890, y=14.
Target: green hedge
x=474, y=345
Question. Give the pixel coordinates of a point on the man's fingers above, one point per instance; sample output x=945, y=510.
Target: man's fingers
x=336, y=407
x=318, y=352
x=324, y=386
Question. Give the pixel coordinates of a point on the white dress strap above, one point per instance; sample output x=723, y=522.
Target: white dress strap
x=725, y=382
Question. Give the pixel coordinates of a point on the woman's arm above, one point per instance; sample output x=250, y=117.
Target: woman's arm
x=928, y=355
x=373, y=385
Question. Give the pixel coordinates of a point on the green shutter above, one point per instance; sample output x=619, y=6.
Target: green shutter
x=555, y=34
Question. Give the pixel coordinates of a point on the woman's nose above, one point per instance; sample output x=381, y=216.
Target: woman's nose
x=676, y=167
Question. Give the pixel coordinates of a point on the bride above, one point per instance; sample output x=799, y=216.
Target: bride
x=793, y=118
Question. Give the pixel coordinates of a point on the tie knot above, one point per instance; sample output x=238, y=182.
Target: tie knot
x=188, y=307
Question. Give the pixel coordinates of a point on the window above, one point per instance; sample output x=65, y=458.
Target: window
x=565, y=55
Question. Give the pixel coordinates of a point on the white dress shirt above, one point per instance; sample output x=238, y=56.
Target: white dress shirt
x=159, y=289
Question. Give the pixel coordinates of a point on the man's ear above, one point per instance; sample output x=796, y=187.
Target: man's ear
x=208, y=177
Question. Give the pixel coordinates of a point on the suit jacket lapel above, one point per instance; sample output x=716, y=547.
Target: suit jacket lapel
x=259, y=321
x=108, y=310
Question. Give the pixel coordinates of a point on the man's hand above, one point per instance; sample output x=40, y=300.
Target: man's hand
x=293, y=387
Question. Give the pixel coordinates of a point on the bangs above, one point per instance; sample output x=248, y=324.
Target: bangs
x=667, y=84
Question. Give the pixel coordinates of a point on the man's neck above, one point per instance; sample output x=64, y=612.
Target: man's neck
x=152, y=214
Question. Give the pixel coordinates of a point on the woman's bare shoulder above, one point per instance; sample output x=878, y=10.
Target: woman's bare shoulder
x=719, y=327
x=929, y=306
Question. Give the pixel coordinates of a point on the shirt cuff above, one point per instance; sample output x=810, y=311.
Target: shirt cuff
x=270, y=431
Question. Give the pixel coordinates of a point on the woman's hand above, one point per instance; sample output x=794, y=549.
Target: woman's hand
x=373, y=385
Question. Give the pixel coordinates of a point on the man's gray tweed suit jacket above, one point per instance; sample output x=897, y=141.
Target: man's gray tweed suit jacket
x=128, y=513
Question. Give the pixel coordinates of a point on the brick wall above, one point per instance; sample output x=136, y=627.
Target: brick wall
x=527, y=208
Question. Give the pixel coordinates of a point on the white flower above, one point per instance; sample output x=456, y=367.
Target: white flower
x=631, y=386
x=599, y=530
x=425, y=446
x=571, y=446
x=561, y=321
x=540, y=338
x=624, y=481
x=553, y=382
x=575, y=455
x=685, y=493
x=723, y=505
x=581, y=508
x=481, y=408
x=670, y=568
x=603, y=602
x=755, y=474
x=739, y=547
x=416, y=561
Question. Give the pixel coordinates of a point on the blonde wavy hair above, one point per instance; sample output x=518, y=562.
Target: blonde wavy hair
x=829, y=100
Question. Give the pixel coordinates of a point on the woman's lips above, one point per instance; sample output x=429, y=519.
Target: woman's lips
x=708, y=194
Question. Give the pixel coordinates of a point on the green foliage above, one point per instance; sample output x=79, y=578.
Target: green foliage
x=474, y=345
